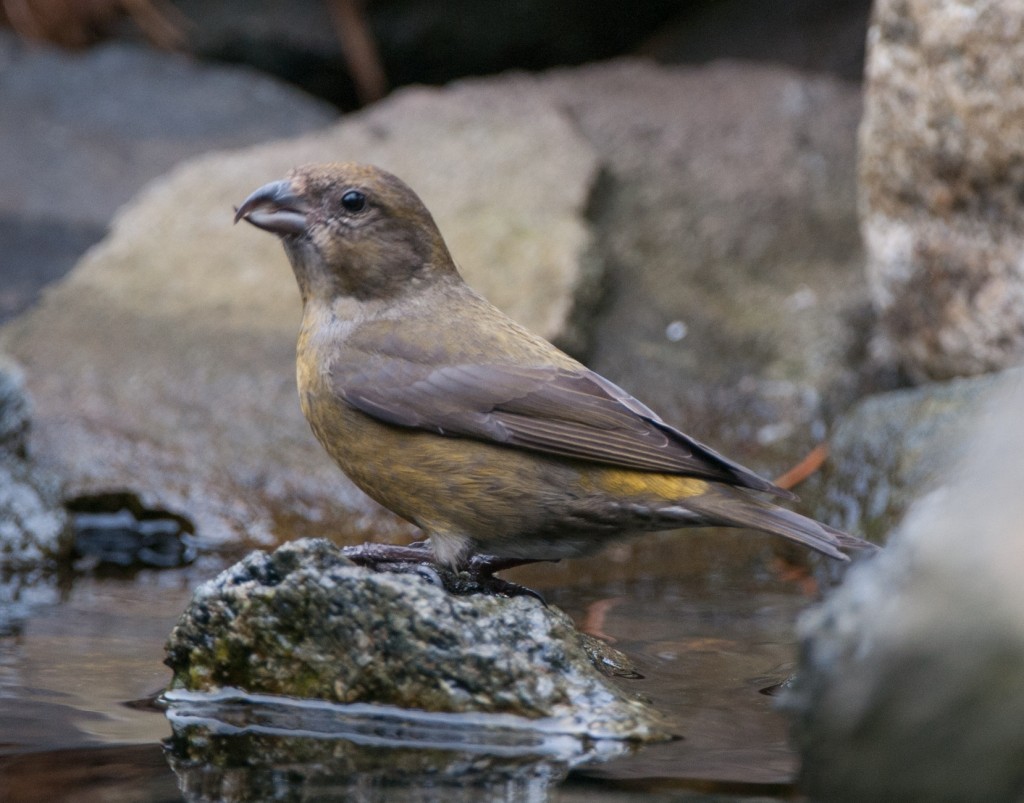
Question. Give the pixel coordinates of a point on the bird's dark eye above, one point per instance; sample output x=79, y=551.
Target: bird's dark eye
x=353, y=201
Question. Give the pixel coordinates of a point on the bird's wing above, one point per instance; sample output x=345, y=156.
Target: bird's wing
x=555, y=410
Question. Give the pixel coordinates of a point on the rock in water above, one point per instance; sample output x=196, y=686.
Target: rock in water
x=304, y=621
x=911, y=683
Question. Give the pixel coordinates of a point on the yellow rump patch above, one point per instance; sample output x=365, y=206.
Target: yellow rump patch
x=627, y=483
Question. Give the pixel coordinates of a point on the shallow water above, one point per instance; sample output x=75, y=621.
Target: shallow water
x=708, y=628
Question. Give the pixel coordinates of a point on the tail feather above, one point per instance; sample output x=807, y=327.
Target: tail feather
x=726, y=507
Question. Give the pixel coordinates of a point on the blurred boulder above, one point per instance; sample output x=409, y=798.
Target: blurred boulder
x=891, y=449
x=941, y=167
x=809, y=35
x=34, y=527
x=736, y=301
x=90, y=129
x=911, y=678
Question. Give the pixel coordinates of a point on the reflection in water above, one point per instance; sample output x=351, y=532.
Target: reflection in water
x=88, y=775
x=231, y=746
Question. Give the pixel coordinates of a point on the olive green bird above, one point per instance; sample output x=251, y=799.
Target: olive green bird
x=450, y=414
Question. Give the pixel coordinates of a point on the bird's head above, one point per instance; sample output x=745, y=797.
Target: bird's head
x=351, y=230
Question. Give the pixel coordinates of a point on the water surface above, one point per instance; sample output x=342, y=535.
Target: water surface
x=709, y=625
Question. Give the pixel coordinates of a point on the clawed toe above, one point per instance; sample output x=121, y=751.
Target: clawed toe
x=481, y=569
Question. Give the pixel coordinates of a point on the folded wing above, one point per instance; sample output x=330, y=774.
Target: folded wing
x=558, y=411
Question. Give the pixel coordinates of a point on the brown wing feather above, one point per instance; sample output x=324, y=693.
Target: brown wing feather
x=575, y=414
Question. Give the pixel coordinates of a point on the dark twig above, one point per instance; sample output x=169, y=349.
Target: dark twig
x=360, y=49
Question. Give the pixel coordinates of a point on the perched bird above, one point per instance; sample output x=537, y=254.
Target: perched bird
x=453, y=416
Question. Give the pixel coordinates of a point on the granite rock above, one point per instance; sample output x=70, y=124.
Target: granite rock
x=941, y=165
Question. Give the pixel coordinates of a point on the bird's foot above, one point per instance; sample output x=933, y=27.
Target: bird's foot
x=481, y=569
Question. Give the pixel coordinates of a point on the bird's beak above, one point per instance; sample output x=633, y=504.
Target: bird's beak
x=275, y=208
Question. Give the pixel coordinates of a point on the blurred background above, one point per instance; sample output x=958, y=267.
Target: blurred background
x=348, y=54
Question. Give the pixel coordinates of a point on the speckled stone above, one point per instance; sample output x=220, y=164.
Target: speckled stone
x=304, y=621
x=941, y=166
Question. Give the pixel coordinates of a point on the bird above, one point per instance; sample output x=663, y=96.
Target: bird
x=500, y=447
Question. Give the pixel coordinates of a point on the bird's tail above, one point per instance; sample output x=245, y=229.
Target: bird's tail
x=726, y=507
